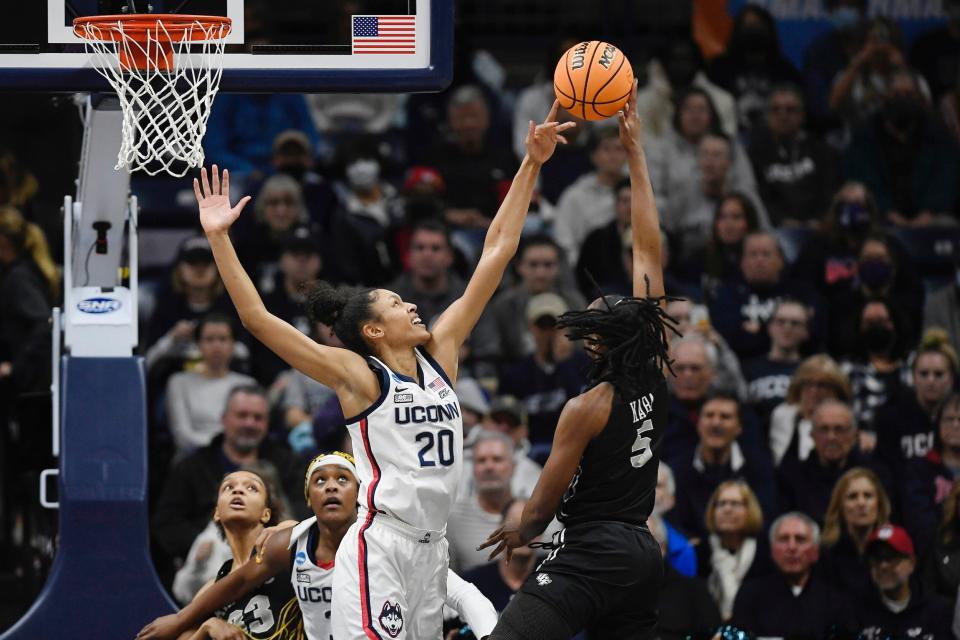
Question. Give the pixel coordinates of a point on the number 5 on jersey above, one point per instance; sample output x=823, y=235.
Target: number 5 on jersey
x=641, y=447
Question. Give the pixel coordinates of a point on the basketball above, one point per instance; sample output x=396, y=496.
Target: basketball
x=593, y=80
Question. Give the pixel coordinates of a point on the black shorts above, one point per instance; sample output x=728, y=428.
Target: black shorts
x=604, y=578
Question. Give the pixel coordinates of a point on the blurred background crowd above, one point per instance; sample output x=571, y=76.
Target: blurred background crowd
x=810, y=208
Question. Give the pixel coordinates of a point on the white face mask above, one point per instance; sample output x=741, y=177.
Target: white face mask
x=363, y=174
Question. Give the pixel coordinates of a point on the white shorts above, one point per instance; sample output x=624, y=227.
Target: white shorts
x=389, y=581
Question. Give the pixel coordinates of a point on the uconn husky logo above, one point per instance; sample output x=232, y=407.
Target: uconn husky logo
x=391, y=619
x=432, y=414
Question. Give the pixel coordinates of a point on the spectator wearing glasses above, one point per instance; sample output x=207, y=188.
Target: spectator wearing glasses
x=806, y=486
x=905, y=426
x=817, y=379
x=768, y=376
x=927, y=482
x=796, y=173
x=894, y=606
x=735, y=549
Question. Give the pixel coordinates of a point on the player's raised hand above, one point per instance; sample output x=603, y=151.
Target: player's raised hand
x=629, y=121
x=542, y=138
x=216, y=214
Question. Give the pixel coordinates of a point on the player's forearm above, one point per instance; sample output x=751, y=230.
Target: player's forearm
x=238, y=284
x=219, y=594
x=644, y=218
x=504, y=231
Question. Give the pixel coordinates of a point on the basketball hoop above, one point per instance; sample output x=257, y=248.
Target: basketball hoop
x=166, y=69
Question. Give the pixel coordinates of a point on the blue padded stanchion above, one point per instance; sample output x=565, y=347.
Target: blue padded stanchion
x=102, y=584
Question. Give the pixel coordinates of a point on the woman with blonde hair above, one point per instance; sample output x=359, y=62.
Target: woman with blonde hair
x=858, y=505
x=29, y=286
x=906, y=425
x=818, y=378
x=736, y=549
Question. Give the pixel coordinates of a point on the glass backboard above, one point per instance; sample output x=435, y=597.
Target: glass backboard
x=286, y=45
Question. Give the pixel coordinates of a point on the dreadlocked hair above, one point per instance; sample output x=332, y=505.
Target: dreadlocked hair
x=628, y=338
x=343, y=309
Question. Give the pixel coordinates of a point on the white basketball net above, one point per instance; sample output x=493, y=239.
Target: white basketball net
x=165, y=107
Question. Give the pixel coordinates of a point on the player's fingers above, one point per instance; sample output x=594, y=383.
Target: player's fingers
x=561, y=140
x=553, y=111
x=226, y=183
x=566, y=125
x=196, y=190
x=240, y=205
x=497, y=551
x=205, y=181
x=216, y=180
x=488, y=542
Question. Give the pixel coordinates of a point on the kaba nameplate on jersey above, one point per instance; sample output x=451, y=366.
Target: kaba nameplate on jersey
x=641, y=407
x=432, y=413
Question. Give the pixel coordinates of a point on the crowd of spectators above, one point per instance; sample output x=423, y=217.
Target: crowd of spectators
x=808, y=484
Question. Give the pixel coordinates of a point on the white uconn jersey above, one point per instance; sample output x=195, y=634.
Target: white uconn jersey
x=312, y=582
x=409, y=446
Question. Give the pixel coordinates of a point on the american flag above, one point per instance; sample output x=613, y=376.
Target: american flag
x=384, y=34
x=437, y=384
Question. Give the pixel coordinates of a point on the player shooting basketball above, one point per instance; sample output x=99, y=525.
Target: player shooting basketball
x=604, y=571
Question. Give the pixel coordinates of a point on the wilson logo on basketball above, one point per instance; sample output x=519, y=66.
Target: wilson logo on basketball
x=99, y=305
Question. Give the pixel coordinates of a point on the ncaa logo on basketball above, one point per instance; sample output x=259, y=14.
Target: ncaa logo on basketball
x=609, y=53
x=99, y=305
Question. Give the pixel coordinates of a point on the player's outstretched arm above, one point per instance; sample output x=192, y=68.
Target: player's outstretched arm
x=474, y=608
x=336, y=368
x=581, y=420
x=276, y=559
x=500, y=244
x=644, y=218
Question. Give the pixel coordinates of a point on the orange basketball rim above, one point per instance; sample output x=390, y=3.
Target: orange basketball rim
x=147, y=40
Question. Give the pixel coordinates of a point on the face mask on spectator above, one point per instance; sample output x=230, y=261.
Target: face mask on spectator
x=875, y=273
x=363, y=174
x=853, y=216
x=878, y=338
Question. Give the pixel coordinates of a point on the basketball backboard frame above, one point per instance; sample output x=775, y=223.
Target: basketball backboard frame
x=59, y=63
